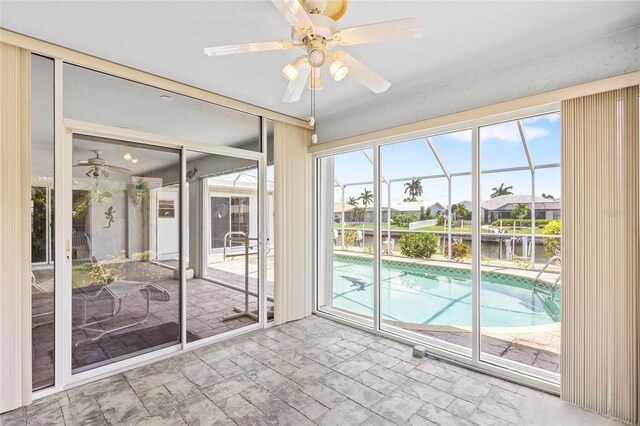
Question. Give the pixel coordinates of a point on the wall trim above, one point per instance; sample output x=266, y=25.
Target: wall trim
x=73, y=56
x=554, y=96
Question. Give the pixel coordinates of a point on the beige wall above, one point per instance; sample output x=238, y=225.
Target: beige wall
x=15, y=250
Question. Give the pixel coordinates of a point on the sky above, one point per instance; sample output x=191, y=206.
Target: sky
x=500, y=147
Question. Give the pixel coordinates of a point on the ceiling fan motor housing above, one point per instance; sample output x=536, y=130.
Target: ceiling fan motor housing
x=323, y=27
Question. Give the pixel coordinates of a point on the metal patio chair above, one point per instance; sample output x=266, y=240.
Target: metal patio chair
x=117, y=291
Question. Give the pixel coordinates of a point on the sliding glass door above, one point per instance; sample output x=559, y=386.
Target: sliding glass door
x=124, y=249
x=466, y=225
x=224, y=250
x=158, y=224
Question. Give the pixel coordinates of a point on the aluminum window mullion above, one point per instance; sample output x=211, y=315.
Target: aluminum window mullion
x=183, y=246
x=262, y=224
x=377, y=258
x=475, y=246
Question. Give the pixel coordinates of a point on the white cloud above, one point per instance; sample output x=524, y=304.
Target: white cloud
x=461, y=136
x=535, y=132
x=551, y=118
x=508, y=132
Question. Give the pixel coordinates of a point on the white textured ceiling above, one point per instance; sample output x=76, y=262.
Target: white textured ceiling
x=167, y=38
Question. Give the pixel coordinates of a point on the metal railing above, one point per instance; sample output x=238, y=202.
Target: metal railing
x=244, y=240
x=544, y=268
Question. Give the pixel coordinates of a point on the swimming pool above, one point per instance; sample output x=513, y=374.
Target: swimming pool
x=440, y=296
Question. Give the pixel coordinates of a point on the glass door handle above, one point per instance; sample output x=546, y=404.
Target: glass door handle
x=68, y=248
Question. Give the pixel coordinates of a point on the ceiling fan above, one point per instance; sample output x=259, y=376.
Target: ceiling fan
x=98, y=166
x=314, y=30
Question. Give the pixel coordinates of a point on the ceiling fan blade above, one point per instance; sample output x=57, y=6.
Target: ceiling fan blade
x=401, y=29
x=295, y=88
x=81, y=163
x=261, y=46
x=120, y=170
x=295, y=14
x=365, y=75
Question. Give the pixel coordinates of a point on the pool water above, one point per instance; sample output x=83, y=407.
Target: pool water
x=421, y=294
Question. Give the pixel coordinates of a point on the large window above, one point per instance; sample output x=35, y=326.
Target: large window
x=520, y=247
x=345, y=235
x=42, y=215
x=454, y=239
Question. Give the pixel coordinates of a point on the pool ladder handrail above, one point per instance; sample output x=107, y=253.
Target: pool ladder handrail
x=544, y=268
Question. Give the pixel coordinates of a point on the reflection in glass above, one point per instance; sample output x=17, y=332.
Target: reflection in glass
x=42, y=212
x=223, y=230
x=124, y=250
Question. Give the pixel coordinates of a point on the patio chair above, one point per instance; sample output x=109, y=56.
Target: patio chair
x=359, y=238
x=116, y=291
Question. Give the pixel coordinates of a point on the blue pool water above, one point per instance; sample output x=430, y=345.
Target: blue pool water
x=439, y=296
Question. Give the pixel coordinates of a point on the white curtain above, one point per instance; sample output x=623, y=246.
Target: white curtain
x=601, y=253
x=15, y=228
x=292, y=211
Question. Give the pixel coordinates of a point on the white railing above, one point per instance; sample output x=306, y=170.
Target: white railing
x=422, y=223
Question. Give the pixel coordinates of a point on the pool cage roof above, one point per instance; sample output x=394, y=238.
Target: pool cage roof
x=432, y=147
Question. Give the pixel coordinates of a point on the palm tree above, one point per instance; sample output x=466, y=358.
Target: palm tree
x=414, y=188
x=501, y=190
x=366, y=197
x=548, y=197
x=353, y=202
x=459, y=211
x=520, y=210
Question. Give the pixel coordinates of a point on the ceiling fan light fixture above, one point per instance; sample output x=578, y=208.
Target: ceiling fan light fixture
x=338, y=70
x=292, y=70
x=316, y=57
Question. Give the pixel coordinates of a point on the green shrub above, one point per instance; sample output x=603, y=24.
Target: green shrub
x=459, y=250
x=440, y=221
x=552, y=245
x=350, y=237
x=525, y=222
x=403, y=219
x=421, y=245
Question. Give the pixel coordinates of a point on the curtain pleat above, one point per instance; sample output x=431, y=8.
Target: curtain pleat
x=15, y=227
x=601, y=256
x=292, y=210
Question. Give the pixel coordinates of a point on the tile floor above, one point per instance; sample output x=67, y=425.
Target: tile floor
x=312, y=371
x=207, y=305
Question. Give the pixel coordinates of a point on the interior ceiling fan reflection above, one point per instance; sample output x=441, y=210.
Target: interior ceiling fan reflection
x=314, y=30
x=98, y=166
